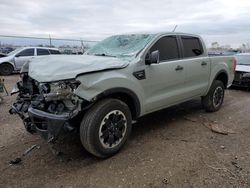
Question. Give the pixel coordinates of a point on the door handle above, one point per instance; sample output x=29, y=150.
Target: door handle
x=203, y=63
x=179, y=68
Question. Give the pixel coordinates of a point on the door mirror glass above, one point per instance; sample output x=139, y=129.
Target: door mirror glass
x=152, y=58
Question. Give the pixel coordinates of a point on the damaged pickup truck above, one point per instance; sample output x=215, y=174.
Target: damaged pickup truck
x=118, y=80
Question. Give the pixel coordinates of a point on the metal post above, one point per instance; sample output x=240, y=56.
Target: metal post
x=82, y=46
x=50, y=41
x=175, y=28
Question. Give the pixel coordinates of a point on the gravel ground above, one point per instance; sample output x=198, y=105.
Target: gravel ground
x=170, y=148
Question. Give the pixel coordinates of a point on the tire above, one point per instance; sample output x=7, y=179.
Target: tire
x=213, y=100
x=6, y=69
x=106, y=127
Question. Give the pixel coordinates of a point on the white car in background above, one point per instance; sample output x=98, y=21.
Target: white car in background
x=242, y=71
x=17, y=58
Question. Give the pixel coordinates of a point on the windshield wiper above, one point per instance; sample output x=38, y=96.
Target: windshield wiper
x=104, y=55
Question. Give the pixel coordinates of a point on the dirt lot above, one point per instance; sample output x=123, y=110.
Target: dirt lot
x=171, y=148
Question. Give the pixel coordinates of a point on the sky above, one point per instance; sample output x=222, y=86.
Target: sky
x=223, y=21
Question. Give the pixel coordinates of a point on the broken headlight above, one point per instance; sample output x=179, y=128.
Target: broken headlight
x=59, y=90
x=59, y=97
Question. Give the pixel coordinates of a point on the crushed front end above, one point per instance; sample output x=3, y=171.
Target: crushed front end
x=242, y=79
x=48, y=108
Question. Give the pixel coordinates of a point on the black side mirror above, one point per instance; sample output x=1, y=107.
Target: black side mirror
x=152, y=58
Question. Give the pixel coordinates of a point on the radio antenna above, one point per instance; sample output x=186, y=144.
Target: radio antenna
x=175, y=28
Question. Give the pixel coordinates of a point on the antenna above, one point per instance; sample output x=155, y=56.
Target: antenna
x=175, y=28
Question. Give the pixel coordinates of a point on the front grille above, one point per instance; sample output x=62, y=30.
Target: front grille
x=238, y=76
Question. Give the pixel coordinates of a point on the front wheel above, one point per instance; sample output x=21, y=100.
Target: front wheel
x=106, y=127
x=213, y=100
x=6, y=69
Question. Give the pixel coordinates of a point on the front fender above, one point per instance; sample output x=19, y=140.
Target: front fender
x=94, y=84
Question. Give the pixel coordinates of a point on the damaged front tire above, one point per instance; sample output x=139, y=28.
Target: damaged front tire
x=106, y=127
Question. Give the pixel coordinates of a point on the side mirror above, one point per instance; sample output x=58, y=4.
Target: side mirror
x=152, y=58
x=17, y=55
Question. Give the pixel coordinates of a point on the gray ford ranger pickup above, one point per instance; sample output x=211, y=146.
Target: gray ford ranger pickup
x=118, y=80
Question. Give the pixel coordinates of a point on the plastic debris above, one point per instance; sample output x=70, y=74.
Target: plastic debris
x=18, y=160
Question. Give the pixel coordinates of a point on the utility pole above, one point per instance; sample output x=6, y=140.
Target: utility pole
x=175, y=28
x=82, y=45
x=50, y=41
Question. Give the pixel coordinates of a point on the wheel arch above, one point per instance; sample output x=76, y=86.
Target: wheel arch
x=125, y=95
x=223, y=77
x=6, y=62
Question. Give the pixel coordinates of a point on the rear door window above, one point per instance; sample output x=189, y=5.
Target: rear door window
x=54, y=51
x=26, y=52
x=191, y=46
x=42, y=51
x=167, y=47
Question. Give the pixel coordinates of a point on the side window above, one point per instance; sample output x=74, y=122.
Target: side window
x=26, y=52
x=42, y=52
x=167, y=47
x=54, y=51
x=191, y=46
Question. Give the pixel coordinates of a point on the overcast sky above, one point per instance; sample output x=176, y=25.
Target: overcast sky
x=225, y=21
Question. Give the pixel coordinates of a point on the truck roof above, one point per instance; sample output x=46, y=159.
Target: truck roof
x=161, y=33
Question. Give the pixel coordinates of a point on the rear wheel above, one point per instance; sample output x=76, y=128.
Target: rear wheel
x=106, y=127
x=6, y=69
x=213, y=100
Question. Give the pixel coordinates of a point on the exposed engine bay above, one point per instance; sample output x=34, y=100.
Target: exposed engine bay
x=47, y=108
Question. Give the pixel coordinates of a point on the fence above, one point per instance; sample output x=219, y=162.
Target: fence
x=64, y=45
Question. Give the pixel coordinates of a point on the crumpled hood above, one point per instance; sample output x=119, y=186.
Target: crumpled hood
x=61, y=67
x=243, y=68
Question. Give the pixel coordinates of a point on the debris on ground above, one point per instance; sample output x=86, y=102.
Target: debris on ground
x=30, y=149
x=165, y=181
x=213, y=126
x=218, y=129
x=236, y=165
x=222, y=147
x=18, y=159
x=191, y=119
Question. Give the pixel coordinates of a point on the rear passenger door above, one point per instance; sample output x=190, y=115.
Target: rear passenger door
x=197, y=65
x=41, y=51
x=164, y=84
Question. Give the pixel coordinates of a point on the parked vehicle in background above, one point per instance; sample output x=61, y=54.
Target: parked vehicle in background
x=118, y=80
x=17, y=58
x=225, y=53
x=2, y=55
x=242, y=72
x=6, y=50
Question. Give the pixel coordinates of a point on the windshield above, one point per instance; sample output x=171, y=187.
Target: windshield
x=243, y=59
x=121, y=45
x=15, y=51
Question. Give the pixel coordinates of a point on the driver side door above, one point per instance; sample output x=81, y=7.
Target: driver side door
x=165, y=81
x=22, y=57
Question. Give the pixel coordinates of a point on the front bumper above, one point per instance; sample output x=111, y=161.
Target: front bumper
x=241, y=79
x=48, y=125
x=241, y=84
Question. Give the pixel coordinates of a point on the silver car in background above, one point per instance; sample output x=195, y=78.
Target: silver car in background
x=242, y=72
x=14, y=61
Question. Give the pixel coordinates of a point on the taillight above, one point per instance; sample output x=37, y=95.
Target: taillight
x=234, y=63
